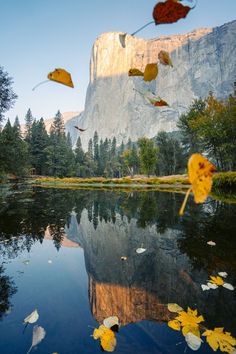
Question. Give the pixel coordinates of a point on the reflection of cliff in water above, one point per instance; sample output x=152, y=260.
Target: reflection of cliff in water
x=140, y=287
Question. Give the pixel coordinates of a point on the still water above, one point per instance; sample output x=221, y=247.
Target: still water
x=61, y=254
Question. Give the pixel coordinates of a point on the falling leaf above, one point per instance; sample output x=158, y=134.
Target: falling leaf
x=216, y=280
x=174, y=324
x=150, y=97
x=61, y=76
x=212, y=286
x=38, y=335
x=80, y=129
x=169, y=11
x=150, y=72
x=122, y=38
x=194, y=342
x=111, y=321
x=174, y=308
x=211, y=243
x=32, y=318
x=204, y=287
x=164, y=58
x=218, y=339
x=107, y=338
x=200, y=172
x=228, y=286
x=123, y=258
x=135, y=72
x=140, y=250
x=223, y=274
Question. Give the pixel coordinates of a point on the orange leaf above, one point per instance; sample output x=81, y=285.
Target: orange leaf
x=61, y=76
x=164, y=58
x=135, y=72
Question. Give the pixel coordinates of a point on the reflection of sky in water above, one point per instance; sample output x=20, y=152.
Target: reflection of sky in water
x=83, y=285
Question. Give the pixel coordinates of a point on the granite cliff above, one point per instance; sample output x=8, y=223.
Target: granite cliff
x=204, y=60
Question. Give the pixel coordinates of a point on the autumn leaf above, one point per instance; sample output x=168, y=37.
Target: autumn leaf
x=38, y=335
x=164, y=58
x=108, y=341
x=216, y=280
x=218, y=339
x=174, y=308
x=194, y=342
x=32, y=318
x=190, y=321
x=61, y=76
x=150, y=97
x=107, y=338
x=150, y=72
x=200, y=172
x=174, y=324
x=135, y=72
x=169, y=11
x=111, y=321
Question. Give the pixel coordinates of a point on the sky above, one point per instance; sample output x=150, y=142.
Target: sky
x=37, y=36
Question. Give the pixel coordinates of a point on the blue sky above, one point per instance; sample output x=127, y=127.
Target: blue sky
x=37, y=36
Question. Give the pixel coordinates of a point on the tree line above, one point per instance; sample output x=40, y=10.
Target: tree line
x=208, y=127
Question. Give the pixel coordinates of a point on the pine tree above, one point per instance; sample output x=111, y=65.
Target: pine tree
x=28, y=125
x=39, y=142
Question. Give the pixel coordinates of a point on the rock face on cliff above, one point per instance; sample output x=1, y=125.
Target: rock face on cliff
x=204, y=60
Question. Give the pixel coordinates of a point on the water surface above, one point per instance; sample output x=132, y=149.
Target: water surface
x=61, y=254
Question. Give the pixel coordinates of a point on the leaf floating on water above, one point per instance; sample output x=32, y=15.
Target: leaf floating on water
x=211, y=243
x=150, y=72
x=164, y=58
x=38, y=335
x=216, y=280
x=169, y=11
x=193, y=341
x=122, y=38
x=223, y=274
x=32, y=318
x=218, y=339
x=107, y=338
x=124, y=258
x=190, y=321
x=135, y=72
x=174, y=324
x=140, y=250
x=205, y=287
x=111, y=321
x=200, y=172
x=212, y=286
x=174, y=308
x=228, y=286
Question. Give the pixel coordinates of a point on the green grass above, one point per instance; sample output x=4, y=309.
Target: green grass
x=224, y=181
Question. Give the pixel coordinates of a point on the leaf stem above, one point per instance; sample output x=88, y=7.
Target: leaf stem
x=138, y=30
x=181, y=212
x=41, y=83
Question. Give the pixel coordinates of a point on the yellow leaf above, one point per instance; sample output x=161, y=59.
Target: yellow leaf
x=164, y=58
x=174, y=308
x=218, y=339
x=61, y=76
x=174, y=325
x=150, y=72
x=193, y=329
x=216, y=280
x=98, y=332
x=108, y=341
x=200, y=172
x=189, y=318
x=135, y=72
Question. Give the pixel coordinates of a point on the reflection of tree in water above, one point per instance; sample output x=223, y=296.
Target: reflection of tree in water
x=7, y=289
x=213, y=221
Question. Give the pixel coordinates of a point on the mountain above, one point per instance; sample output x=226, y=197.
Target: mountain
x=203, y=60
